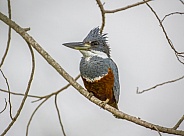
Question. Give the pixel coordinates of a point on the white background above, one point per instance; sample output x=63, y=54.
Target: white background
x=138, y=46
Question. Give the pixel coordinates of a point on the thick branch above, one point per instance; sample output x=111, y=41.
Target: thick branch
x=93, y=99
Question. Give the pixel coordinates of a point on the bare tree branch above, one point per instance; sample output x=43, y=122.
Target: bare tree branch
x=21, y=94
x=9, y=96
x=41, y=97
x=157, y=130
x=4, y=106
x=178, y=123
x=46, y=97
x=182, y=2
x=127, y=7
x=173, y=13
x=27, y=29
x=26, y=93
x=4, y=56
x=57, y=109
x=9, y=35
x=29, y=122
x=178, y=54
x=57, y=92
x=102, y=13
x=171, y=81
x=78, y=87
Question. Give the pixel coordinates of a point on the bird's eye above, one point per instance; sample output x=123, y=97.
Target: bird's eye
x=95, y=43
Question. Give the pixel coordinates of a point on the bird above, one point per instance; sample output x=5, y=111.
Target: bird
x=98, y=71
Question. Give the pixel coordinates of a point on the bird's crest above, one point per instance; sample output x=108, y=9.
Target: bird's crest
x=95, y=36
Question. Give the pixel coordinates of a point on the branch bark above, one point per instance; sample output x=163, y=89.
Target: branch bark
x=179, y=122
x=78, y=87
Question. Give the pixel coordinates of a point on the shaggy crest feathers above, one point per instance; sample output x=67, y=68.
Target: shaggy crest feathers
x=95, y=36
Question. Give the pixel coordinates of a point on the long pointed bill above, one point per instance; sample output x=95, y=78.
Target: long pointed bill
x=77, y=45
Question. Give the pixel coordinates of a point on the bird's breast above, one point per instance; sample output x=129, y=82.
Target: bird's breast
x=93, y=69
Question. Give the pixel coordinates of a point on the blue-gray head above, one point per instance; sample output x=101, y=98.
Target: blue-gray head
x=95, y=44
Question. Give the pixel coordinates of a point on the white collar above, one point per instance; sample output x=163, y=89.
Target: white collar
x=91, y=53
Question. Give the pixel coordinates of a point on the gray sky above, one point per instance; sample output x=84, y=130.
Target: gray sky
x=138, y=46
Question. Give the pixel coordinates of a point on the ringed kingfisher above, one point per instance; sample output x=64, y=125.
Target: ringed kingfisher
x=98, y=71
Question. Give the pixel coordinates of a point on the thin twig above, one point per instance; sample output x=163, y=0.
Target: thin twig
x=157, y=130
x=167, y=37
x=26, y=93
x=103, y=15
x=21, y=94
x=182, y=2
x=27, y=29
x=178, y=123
x=4, y=106
x=167, y=82
x=64, y=74
x=103, y=11
x=30, y=119
x=57, y=92
x=9, y=95
x=127, y=7
x=4, y=56
x=173, y=13
x=46, y=97
x=59, y=116
x=9, y=36
x=41, y=97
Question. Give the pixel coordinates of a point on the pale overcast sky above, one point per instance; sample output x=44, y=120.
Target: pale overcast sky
x=138, y=46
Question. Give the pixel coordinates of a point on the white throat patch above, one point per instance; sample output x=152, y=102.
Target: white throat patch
x=94, y=79
x=91, y=53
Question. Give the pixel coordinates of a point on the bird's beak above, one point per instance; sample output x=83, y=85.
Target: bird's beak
x=77, y=45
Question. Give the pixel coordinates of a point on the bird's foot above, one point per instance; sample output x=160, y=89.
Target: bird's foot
x=103, y=103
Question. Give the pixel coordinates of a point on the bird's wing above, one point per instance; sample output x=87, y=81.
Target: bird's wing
x=116, y=88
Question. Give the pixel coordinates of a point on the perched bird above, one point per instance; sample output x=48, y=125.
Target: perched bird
x=98, y=71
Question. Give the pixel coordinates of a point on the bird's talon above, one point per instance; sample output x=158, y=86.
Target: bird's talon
x=103, y=103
